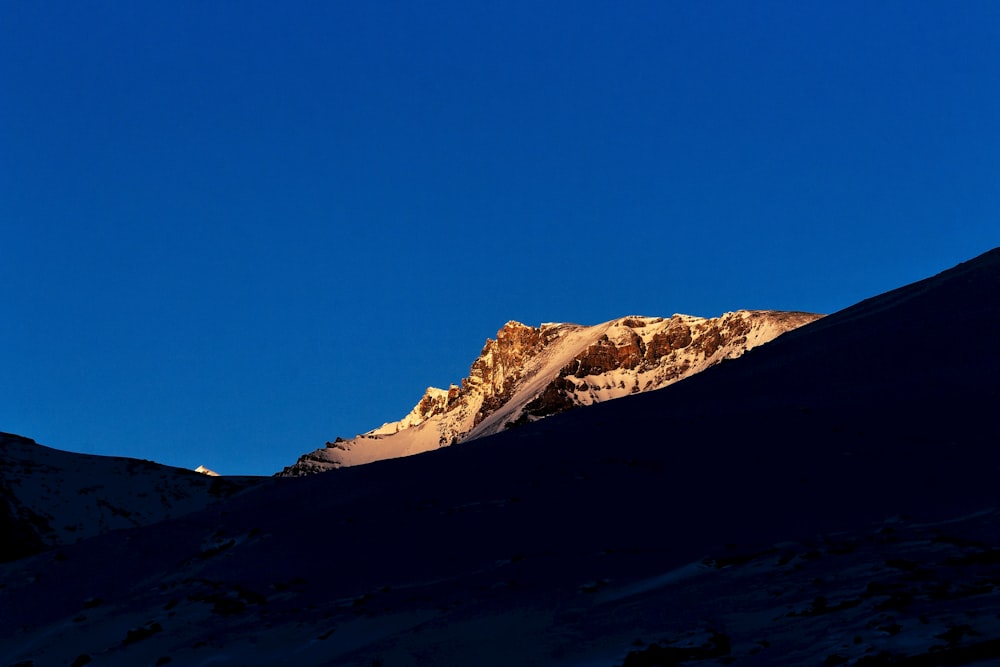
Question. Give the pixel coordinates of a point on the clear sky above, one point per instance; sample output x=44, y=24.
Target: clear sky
x=232, y=231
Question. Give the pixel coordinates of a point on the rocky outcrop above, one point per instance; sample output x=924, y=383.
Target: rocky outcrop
x=528, y=373
x=502, y=364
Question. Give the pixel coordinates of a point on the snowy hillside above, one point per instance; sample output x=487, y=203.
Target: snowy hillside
x=51, y=498
x=528, y=373
x=830, y=499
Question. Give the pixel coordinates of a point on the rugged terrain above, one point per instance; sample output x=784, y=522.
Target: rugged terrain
x=50, y=498
x=527, y=373
x=827, y=499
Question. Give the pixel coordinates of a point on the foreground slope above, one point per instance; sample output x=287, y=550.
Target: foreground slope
x=528, y=373
x=829, y=498
x=50, y=498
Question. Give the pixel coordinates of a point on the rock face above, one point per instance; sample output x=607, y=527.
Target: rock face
x=830, y=498
x=528, y=373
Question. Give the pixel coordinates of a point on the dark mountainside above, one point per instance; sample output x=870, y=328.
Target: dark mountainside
x=829, y=498
x=50, y=498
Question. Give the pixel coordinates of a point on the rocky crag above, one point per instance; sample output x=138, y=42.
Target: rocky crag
x=527, y=373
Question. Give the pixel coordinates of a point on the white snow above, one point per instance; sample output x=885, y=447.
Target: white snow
x=414, y=434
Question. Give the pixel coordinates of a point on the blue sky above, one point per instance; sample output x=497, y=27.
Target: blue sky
x=231, y=231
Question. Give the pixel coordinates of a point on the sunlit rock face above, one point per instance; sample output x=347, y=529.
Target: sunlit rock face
x=497, y=372
x=527, y=373
x=830, y=498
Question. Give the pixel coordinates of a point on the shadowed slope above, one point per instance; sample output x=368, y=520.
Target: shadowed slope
x=567, y=540
x=50, y=498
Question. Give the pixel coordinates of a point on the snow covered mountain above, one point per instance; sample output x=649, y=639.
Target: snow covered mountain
x=830, y=498
x=528, y=373
x=50, y=498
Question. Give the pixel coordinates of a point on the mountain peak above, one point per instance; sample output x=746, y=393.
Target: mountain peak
x=527, y=373
x=829, y=499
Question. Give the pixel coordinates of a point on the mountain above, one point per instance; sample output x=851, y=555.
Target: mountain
x=528, y=373
x=830, y=498
x=50, y=498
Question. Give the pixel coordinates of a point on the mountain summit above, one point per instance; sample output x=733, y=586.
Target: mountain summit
x=830, y=498
x=528, y=373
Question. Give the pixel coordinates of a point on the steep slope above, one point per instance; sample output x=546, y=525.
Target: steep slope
x=827, y=499
x=528, y=373
x=50, y=498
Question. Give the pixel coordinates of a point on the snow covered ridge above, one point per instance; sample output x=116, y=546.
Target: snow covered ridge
x=829, y=499
x=51, y=498
x=528, y=373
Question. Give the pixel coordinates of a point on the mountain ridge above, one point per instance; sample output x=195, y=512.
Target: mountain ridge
x=51, y=498
x=527, y=373
x=827, y=499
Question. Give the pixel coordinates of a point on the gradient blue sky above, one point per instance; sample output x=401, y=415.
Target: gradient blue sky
x=231, y=231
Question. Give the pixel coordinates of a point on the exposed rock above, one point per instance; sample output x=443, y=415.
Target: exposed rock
x=554, y=399
x=501, y=364
x=604, y=356
x=675, y=336
x=528, y=373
